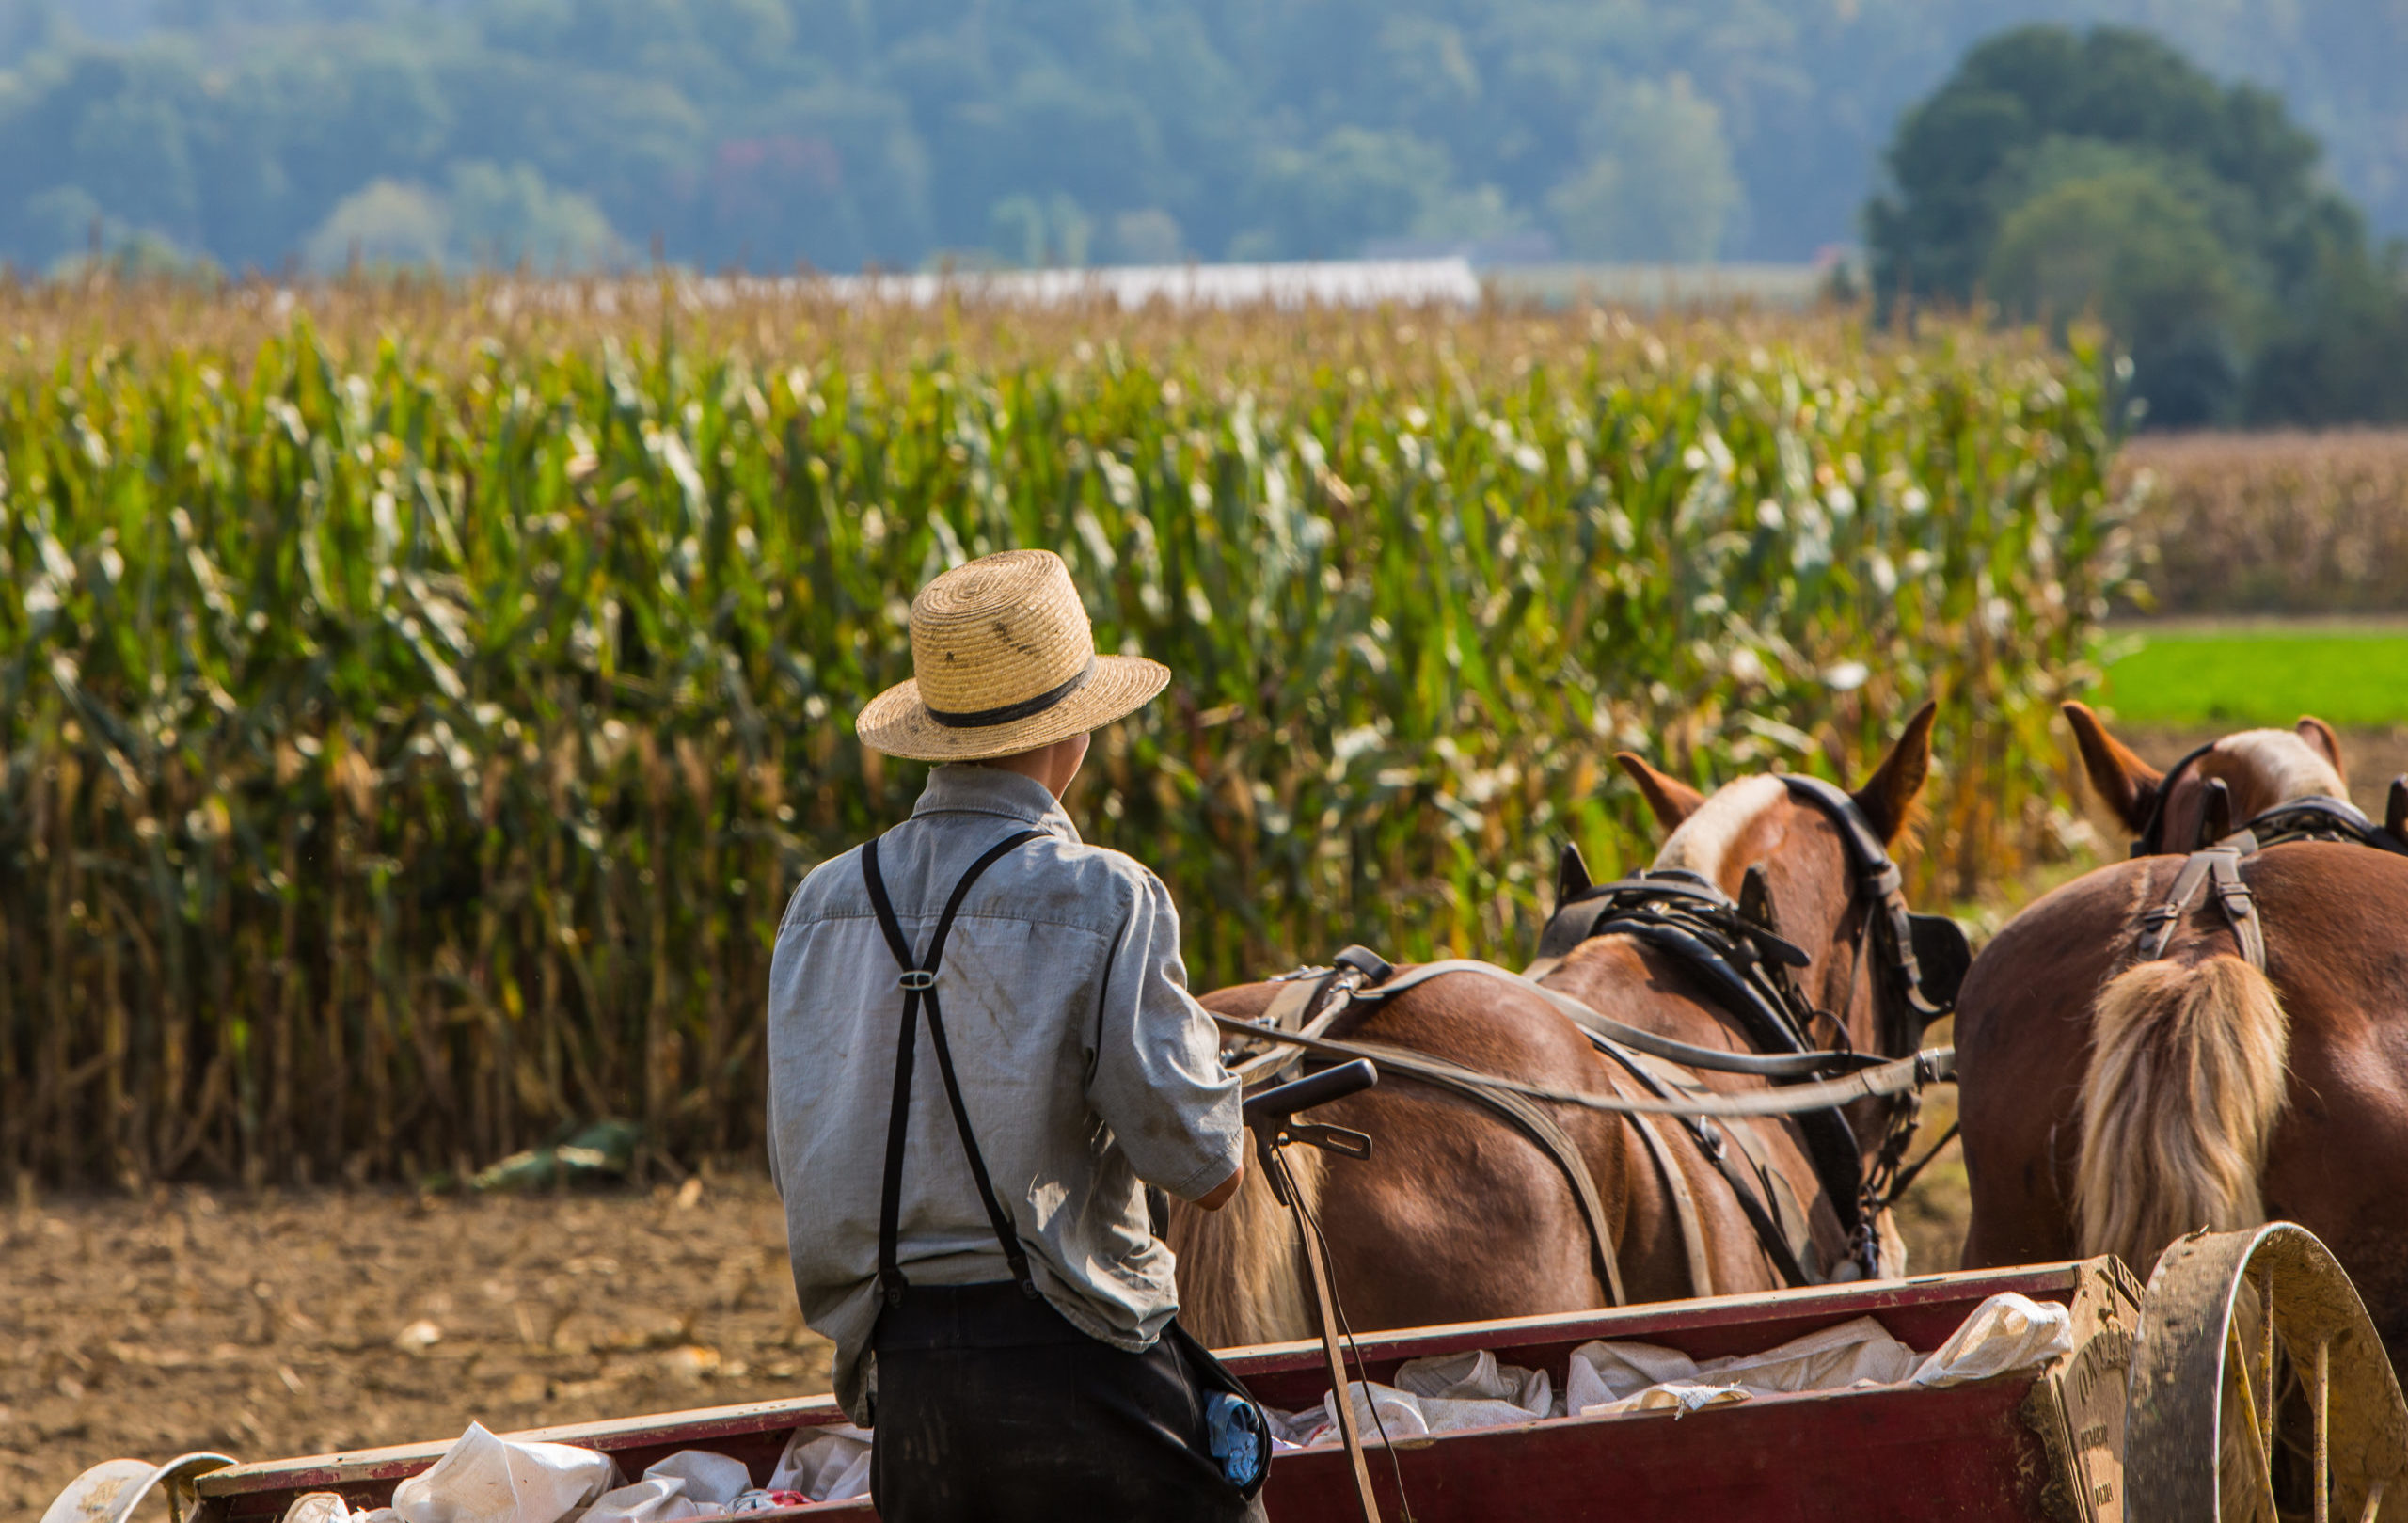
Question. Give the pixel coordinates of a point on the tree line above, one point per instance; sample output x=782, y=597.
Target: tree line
x=2217, y=193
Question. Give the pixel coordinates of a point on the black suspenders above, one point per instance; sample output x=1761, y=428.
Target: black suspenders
x=919, y=986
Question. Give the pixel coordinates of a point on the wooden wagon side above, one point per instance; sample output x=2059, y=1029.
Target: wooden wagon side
x=2003, y=1449
x=2030, y=1445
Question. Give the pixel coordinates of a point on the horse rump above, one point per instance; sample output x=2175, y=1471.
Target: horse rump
x=2186, y=1078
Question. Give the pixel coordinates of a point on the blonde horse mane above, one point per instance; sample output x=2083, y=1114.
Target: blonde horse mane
x=1241, y=1277
x=2186, y=1076
x=1703, y=841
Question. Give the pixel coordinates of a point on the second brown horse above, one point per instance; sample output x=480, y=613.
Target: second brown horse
x=2111, y=1103
x=1457, y=1217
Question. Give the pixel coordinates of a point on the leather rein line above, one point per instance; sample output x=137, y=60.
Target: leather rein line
x=1903, y=1075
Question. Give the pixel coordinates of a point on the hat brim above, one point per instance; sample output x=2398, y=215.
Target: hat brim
x=899, y=724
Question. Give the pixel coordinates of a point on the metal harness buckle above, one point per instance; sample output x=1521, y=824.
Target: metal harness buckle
x=916, y=978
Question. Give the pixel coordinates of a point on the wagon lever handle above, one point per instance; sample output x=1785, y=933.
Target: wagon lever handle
x=1275, y=1105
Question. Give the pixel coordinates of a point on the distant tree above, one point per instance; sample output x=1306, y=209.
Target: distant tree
x=383, y=224
x=1659, y=184
x=2060, y=175
x=503, y=216
x=2126, y=247
x=1150, y=236
x=1324, y=202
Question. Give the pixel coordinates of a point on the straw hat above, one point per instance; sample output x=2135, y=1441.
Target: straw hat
x=1005, y=664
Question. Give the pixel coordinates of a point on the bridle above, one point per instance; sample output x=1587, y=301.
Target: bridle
x=1736, y=948
x=2315, y=817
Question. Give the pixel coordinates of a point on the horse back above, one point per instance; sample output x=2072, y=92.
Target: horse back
x=2336, y=922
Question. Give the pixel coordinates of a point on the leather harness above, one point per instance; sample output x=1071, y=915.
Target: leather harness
x=1744, y=962
x=2217, y=866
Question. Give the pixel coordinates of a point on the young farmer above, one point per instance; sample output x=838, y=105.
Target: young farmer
x=981, y=1050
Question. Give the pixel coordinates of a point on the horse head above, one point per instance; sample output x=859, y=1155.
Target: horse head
x=1790, y=853
x=2214, y=788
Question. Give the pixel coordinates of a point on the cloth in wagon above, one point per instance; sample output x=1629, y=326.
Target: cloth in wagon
x=1086, y=1068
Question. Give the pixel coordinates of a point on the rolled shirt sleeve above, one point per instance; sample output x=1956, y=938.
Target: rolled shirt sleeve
x=1157, y=1078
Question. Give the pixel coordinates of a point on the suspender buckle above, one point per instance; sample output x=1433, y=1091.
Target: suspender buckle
x=917, y=979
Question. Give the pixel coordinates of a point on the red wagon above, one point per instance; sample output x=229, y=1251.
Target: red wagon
x=2243, y=1382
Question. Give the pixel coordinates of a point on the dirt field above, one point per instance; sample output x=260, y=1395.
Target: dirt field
x=296, y=1324
x=290, y=1324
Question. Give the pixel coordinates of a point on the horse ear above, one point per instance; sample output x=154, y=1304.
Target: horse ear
x=1888, y=796
x=1570, y=874
x=2127, y=784
x=2319, y=736
x=1673, y=800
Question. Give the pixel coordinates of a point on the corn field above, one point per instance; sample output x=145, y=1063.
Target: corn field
x=2277, y=522
x=420, y=703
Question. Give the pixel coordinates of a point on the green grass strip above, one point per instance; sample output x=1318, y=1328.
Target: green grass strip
x=2352, y=677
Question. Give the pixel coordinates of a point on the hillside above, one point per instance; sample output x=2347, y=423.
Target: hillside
x=843, y=131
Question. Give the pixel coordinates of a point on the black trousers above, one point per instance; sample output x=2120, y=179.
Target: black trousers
x=993, y=1408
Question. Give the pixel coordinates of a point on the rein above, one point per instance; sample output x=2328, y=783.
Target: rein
x=1903, y=1075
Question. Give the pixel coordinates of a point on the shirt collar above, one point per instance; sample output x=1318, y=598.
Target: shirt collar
x=962, y=790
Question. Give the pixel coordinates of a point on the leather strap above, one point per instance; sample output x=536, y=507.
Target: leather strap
x=1771, y=1234
x=1283, y=1186
x=1302, y=1005
x=1684, y=1211
x=1830, y=1141
x=1899, y=1076
x=919, y=986
x=2151, y=840
x=1597, y=1024
x=1524, y=1115
x=2217, y=868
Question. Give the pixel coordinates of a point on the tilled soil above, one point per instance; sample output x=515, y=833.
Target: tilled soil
x=280, y=1324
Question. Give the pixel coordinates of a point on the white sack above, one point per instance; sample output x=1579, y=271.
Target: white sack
x=1607, y=1371
x=1678, y=1396
x=1608, y=1376
x=653, y=1500
x=318, y=1507
x=825, y=1463
x=1476, y=1377
x=481, y=1478
x=2005, y=1332
x=1402, y=1414
x=1858, y=1353
x=712, y=1480
x=1297, y=1430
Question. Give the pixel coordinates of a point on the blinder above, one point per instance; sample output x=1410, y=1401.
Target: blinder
x=2151, y=840
x=1943, y=956
x=1929, y=989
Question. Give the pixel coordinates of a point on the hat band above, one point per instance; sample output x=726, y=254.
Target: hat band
x=1025, y=708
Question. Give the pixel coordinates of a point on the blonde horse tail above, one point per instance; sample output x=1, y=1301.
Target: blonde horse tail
x=1241, y=1270
x=2186, y=1076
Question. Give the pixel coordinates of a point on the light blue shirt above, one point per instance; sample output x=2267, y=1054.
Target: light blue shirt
x=1086, y=1068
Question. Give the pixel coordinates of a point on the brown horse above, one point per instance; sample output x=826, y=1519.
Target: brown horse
x=1456, y=1217
x=2111, y=1104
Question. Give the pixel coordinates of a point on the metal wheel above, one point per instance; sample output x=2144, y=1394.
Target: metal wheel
x=110, y=1491
x=2260, y=1392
